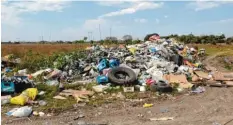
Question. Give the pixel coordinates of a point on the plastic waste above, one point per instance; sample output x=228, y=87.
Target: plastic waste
x=41, y=93
x=19, y=100
x=42, y=103
x=38, y=73
x=199, y=89
x=146, y=105
x=100, y=88
x=102, y=79
x=162, y=119
x=20, y=112
x=22, y=72
x=41, y=114
x=5, y=99
x=31, y=93
x=52, y=82
x=35, y=113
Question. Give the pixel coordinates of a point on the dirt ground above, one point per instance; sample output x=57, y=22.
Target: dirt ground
x=213, y=107
x=216, y=61
x=208, y=108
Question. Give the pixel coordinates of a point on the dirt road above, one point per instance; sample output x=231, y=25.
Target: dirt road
x=213, y=106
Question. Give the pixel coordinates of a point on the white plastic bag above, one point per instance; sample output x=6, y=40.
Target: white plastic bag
x=22, y=112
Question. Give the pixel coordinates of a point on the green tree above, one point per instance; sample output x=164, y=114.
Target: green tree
x=85, y=38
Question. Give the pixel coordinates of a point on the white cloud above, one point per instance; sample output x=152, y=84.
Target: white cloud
x=218, y=22
x=137, y=6
x=110, y=3
x=226, y=20
x=140, y=20
x=10, y=15
x=11, y=11
x=203, y=5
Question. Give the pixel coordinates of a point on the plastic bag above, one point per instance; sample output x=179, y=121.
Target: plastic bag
x=133, y=50
x=31, y=93
x=19, y=100
x=22, y=112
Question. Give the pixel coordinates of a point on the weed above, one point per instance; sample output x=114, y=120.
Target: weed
x=228, y=66
x=130, y=95
x=53, y=105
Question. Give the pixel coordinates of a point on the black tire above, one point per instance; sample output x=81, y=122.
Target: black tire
x=161, y=86
x=126, y=71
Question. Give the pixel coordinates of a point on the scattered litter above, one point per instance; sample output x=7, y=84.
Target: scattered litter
x=35, y=113
x=42, y=103
x=80, y=116
x=162, y=119
x=202, y=74
x=147, y=105
x=41, y=114
x=128, y=89
x=41, y=93
x=20, y=112
x=5, y=99
x=100, y=88
x=199, y=89
x=59, y=97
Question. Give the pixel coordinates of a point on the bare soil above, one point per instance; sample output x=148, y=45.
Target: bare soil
x=212, y=106
x=217, y=62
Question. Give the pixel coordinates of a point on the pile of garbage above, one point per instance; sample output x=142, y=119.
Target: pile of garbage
x=160, y=64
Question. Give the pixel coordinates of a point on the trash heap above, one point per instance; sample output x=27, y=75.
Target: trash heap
x=155, y=63
x=162, y=65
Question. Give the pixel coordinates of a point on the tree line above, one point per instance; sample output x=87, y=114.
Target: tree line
x=203, y=39
x=128, y=39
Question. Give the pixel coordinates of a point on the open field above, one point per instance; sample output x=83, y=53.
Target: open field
x=47, y=49
x=213, y=49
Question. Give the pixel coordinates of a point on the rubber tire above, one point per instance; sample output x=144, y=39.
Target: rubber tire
x=163, y=87
x=132, y=76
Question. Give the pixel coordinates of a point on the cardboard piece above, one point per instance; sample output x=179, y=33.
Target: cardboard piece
x=181, y=79
x=229, y=83
x=220, y=76
x=79, y=95
x=202, y=74
x=195, y=78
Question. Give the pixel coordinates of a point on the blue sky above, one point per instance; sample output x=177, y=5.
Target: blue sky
x=71, y=20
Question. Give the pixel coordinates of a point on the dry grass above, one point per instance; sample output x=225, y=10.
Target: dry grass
x=213, y=49
x=47, y=49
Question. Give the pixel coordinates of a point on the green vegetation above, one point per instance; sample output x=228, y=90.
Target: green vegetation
x=204, y=39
